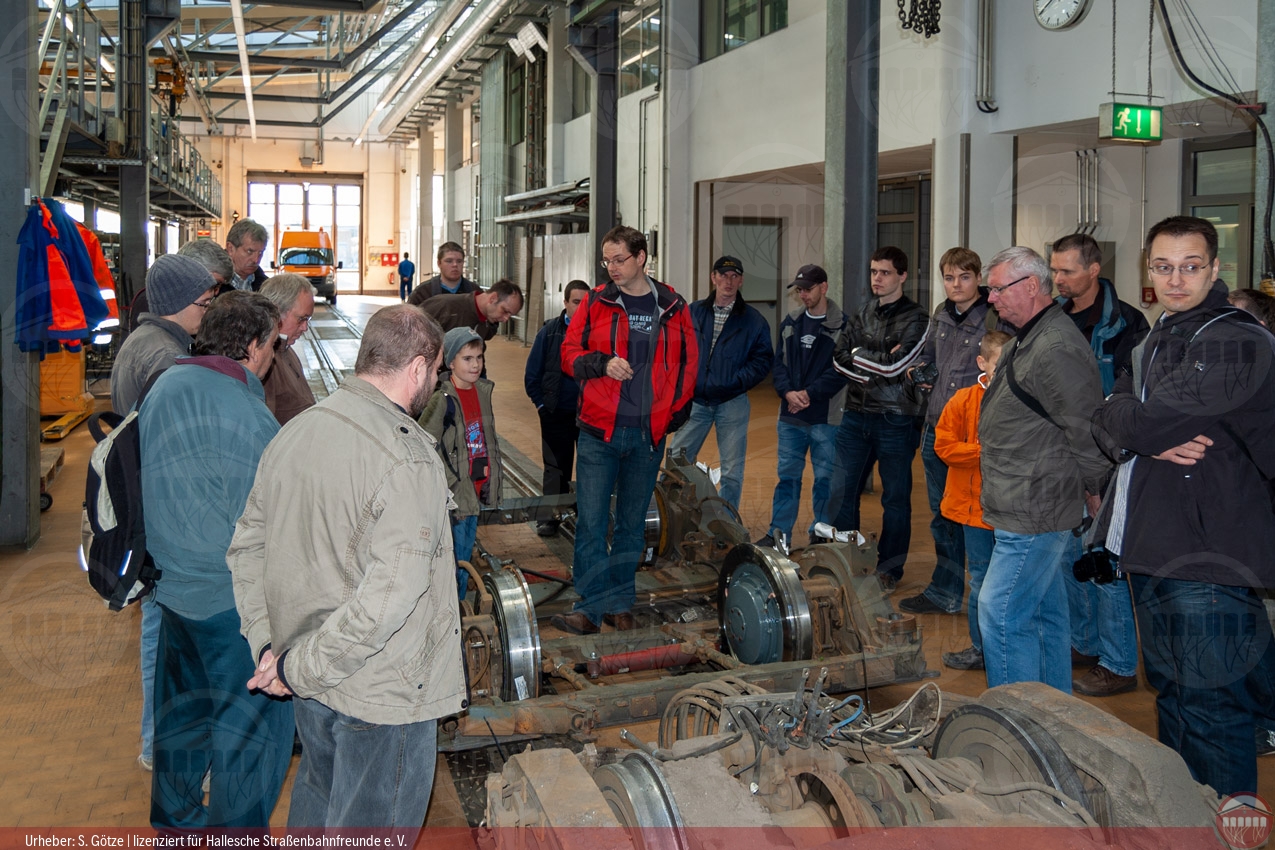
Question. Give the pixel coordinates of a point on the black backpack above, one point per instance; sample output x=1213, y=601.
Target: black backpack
x=113, y=551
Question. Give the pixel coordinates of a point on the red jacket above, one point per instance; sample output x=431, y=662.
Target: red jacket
x=956, y=444
x=600, y=330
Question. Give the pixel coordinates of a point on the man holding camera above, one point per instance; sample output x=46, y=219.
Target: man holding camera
x=1189, y=512
x=1102, y=633
x=883, y=409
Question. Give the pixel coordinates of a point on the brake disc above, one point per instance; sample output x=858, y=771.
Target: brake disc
x=641, y=800
x=519, y=635
x=762, y=608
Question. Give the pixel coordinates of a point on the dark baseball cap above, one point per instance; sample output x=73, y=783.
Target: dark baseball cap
x=728, y=263
x=809, y=275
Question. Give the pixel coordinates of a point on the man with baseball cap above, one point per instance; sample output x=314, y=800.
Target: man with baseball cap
x=812, y=393
x=735, y=356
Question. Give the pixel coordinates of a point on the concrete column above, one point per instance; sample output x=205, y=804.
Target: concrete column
x=19, y=371
x=973, y=196
x=850, y=145
x=681, y=259
x=1265, y=94
x=453, y=156
x=558, y=111
x=597, y=43
x=425, y=215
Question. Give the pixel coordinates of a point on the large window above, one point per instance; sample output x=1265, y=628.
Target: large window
x=516, y=106
x=1218, y=186
x=306, y=204
x=581, y=91
x=639, y=48
x=728, y=24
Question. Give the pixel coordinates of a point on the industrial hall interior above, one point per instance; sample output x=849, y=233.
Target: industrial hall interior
x=406, y=409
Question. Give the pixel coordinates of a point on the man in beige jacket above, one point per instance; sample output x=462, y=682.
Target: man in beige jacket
x=345, y=583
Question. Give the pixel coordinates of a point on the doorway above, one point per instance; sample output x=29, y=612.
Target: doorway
x=758, y=244
x=333, y=205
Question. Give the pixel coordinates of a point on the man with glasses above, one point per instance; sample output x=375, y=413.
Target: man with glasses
x=287, y=390
x=484, y=312
x=735, y=356
x=1041, y=469
x=631, y=348
x=1102, y=633
x=179, y=290
x=246, y=244
x=1189, y=512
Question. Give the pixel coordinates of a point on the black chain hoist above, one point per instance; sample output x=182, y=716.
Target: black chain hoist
x=923, y=18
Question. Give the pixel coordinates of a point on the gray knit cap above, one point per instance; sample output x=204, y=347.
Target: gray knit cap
x=174, y=282
x=454, y=341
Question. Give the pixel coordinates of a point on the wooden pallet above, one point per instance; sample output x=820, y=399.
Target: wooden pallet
x=51, y=458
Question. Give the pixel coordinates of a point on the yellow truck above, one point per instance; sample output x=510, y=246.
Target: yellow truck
x=309, y=254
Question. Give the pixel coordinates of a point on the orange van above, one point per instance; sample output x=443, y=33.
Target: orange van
x=309, y=254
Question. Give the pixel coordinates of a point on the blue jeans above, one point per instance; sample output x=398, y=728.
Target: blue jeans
x=354, y=773
x=979, y=543
x=947, y=584
x=206, y=719
x=627, y=467
x=1207, y=650
x=464, y=536
x=1022, y=610
x=892, y=437
x=404, y=287
x=793, y=443
x=150, y=648
x=731, y=419
x=1102, y=620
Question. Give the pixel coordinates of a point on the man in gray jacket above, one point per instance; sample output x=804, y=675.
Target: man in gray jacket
x=345, y=583
x=1041, y=469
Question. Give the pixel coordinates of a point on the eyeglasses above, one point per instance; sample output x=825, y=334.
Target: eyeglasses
x=304, y=320
x=1190, y=270
x=203, y=304
x=606, y=264
x=997, y=290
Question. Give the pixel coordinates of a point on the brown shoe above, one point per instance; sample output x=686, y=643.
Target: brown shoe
x=1101, y=682
x=622, y=622
x=576, y=622
x=1083, y=661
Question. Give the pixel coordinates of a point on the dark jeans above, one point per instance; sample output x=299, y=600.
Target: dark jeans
x=205, y=719
x=947, y=584
x=354, y=773
x=404, y=288
x=892, y=438
x=558, y=433
x=1207, y=650
x=627, y=467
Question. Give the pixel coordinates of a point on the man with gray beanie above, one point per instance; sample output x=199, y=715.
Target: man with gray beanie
x=180, y=291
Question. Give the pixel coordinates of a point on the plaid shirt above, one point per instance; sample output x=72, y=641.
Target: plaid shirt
x=720, y=315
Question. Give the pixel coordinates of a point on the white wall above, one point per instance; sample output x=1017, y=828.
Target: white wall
x=1047, y=204
x=576, y=155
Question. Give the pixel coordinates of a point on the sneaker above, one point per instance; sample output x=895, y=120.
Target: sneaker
x=967, y=659
x=889, y=584
x=921, y=604
x=1265, y=741
x=767, y=540
x=147, y=763
x=1101, y=682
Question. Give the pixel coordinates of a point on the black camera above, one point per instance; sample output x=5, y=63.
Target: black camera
x=1096, y=566
x=926, y=373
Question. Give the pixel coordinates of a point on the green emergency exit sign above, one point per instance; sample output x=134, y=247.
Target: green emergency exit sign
x=1129, y=121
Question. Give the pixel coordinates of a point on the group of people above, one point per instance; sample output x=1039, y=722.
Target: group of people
x=326, y=582
x=1053, y=432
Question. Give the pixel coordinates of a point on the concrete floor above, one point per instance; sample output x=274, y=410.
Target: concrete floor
x=69, y=694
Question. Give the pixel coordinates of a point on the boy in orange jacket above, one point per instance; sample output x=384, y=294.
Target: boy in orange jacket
x=956, y=444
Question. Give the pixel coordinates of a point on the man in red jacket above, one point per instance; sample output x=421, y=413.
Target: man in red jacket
x=631, y=348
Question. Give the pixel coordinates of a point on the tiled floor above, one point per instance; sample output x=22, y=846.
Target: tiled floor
x=69, y=699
